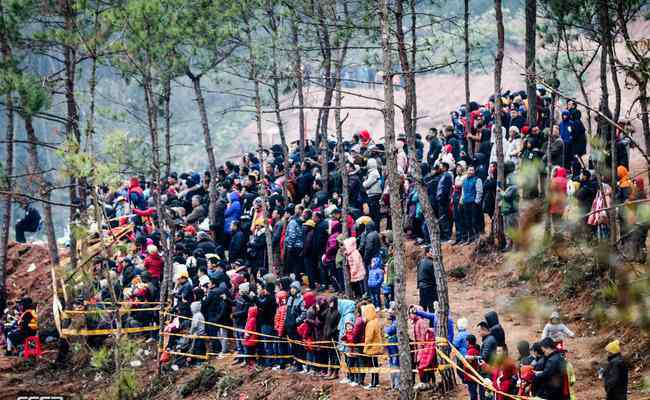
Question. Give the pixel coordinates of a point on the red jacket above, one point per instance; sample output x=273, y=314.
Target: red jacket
x=250, y=337
x=502, y=379
x=154, y=264
x=428, y=355
x=281, y=313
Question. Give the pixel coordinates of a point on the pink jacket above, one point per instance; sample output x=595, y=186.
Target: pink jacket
x=355, y=261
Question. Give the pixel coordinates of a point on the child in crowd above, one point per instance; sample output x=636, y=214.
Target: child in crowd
x=375, y=281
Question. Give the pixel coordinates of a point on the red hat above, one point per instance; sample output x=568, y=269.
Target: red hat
x=524, y=130
x=171, y=191
x=448, y=148
x=190, y=230
x=364, y=135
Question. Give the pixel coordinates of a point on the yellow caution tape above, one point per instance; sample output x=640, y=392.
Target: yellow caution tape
x=96, y=332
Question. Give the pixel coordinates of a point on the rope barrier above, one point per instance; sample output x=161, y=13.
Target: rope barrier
x=111, y=331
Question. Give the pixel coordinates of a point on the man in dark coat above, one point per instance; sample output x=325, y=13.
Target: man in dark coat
x=551, y=380
x=267, y=307
x=492, y=319
x=427, y=282
x=615, y=375
x=443, y=197
x=237, y=249
x=372, y=244
x=28, y=223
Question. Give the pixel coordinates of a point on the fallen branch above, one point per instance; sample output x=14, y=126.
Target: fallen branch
x=28, y=196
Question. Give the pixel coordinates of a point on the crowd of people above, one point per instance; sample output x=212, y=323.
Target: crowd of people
x=288, y=309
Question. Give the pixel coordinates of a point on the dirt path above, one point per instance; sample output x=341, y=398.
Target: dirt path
x=489, y=286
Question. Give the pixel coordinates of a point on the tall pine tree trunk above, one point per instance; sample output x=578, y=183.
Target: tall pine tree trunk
x=466, y=71
x=406, y=376
x=209, y=148
x=44, y=188
x=8, y=166
x=531, y=28
x=260, y=143
x=345, y=201
x=498, y=138
x=298, y=76
x=167, y=99
x=76, y=192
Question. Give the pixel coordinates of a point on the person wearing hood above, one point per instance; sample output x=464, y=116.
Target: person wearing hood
x=558, y=194
x=232, y=213
x=525, y=358
x=329, y=258
x=372, y=335
x=556, y=330
x=566, y=133
x=492, y=319
x=239, y=314
x=355, y=264
x=197, y=328
x=615, y=374
x=371, y=243
x=446, y=156
x=295, y=309
x=373, y=186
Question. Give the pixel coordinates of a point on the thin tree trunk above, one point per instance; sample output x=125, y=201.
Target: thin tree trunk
x=276, y=101
x=605, y=130
x=466, y=70
x=645, y=119
x=326, y=51
x=9, y=172
x=298, y=76
x=579, y=76
x=423, y=196
x=209, y=148
x=35, y=167
x=615, y=81
x=72, y=124
x=260, y=143
x=7, y=199
x=167, y=99
x=406, y=376
x=531, y=28
x=498, y=137
x=414, y=47
x=338, y=100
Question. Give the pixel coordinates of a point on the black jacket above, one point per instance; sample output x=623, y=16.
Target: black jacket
x=551, y=380
x=426, y=276
x=266, y=309
x=240, y=311
x=496, y=330
x=615, y=378
x=372, y=244
x=237, y=249
x=488, y=348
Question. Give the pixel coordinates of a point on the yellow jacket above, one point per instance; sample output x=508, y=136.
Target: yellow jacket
x=373, y=333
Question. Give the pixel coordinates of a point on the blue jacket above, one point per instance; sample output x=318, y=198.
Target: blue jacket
x=460, y=341
x=232, y=213
x=375, y=274
x=432, y=318
x=472, y=190
x=391, y=337
x=443, y=191
x=294, y=238
x=566, y=129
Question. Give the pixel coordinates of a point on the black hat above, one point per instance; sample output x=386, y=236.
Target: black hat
x=290, y=208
